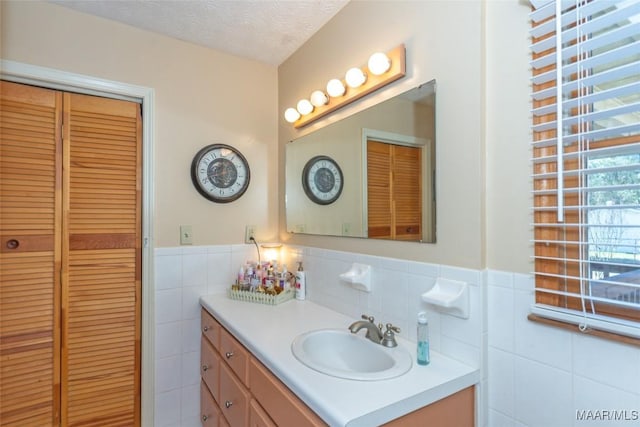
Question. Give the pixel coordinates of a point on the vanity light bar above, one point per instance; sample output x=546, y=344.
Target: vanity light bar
x=370, y=81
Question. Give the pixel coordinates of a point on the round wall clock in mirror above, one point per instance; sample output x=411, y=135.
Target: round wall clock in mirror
x=220, y=173
x=322, y=180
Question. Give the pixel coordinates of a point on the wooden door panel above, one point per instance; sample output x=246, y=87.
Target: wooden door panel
x=102, y=279
x=379, y=208
x=394, y=191
x=30, y=201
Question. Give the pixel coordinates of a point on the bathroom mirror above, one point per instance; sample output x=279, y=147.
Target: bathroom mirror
x=370, y=175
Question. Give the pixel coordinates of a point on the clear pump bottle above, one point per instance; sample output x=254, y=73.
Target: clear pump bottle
x=423, y=339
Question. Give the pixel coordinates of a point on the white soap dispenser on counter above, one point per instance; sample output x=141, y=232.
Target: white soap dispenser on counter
x=301, y=283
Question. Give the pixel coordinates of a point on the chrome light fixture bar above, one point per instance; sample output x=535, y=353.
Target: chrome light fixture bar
x=381, y=70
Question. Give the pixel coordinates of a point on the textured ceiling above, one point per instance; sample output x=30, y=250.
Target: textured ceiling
x=268, y=31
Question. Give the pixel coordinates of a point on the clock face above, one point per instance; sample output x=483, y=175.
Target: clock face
x=322, y=180
x=220, y=173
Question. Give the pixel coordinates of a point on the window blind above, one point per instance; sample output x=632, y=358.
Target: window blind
x=586, y=162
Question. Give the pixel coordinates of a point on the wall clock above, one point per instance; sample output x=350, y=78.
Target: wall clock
x=322, y=180
x=220, y=173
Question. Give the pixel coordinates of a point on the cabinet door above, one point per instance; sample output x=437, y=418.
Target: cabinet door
x=235, y=355
x=209, y=411
x=284, y=407
x=210, y=367
x=210, y=328
x=234, y=398
x=30, y=201
x=101, y=261
x=258, y=417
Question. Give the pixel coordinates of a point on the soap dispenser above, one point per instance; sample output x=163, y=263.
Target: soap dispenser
x=423, y=339
x=301, y=283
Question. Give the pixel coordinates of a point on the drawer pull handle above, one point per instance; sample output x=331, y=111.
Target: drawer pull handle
x=13, y=244
x=204, y=418
x=205, y=368
x=229, y=354
x=228, y=404
x=205, y=329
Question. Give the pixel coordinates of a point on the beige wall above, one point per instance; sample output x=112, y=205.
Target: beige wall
x=444, y=42
x=202, y=97
x=508, y=116
x=478, y=53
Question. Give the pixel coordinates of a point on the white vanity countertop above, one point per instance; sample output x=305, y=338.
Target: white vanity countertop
x=267, y=331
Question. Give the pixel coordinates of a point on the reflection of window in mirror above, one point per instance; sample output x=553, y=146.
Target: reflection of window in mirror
x=394, y=189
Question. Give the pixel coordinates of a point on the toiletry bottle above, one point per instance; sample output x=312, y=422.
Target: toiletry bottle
x=423, y=339
x=240, y=276
x=301, y=285
x=282, y=279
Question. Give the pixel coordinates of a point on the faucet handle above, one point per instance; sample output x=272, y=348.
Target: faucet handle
x=395, y=329
x=389, y=338
x=367, y=317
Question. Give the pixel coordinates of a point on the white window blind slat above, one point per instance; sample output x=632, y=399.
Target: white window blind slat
x=602, y=95
x=619, y=110
x=586, y=146
x=630, y=30
x=596, y=135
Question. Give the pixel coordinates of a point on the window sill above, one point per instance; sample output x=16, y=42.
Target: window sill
x=594, y=332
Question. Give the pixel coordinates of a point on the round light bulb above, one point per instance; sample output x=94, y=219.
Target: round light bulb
x=304, y=107
x=335, y=88
x=318, y=98
x=355, y=77
x=379, y=63
x=291, y=115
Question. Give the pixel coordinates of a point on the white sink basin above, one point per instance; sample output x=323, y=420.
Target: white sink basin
x=341, y=354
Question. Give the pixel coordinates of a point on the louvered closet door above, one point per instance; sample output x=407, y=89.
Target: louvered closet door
x=102, y=262
x=407, y=192
x=379, y=199
x=29, y=255
x=394, y=191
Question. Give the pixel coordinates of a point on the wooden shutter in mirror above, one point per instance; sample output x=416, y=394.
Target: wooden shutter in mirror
x=102, y=268
x=379, y=180
x=30, y=200
x=394, y=191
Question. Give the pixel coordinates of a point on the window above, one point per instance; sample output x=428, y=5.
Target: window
x=586, y=163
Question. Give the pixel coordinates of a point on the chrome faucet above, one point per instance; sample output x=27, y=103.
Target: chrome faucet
x=374, y=333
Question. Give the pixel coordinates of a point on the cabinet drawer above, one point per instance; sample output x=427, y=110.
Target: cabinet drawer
x=234, y=398
x=258, y=417
x=209, y=411
x=278, y=401
x=210, y=367
x=235, y=355
x=210, y=328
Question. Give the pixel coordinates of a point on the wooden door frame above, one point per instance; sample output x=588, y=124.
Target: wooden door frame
x=63, y=80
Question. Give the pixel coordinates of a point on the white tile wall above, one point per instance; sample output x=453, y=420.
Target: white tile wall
x=397, y=286
x=182, y=275
x=532, y=375
x=541, y=376
x=185, y=273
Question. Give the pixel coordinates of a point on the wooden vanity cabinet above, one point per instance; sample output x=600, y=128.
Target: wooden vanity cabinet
x=237, y=390
x=457, y=410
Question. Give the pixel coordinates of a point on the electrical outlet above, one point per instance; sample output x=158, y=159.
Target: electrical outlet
x=249, y=232
x=186, y=235
x=346, y=229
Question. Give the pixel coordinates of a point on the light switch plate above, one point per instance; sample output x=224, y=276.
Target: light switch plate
x=186, y=235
